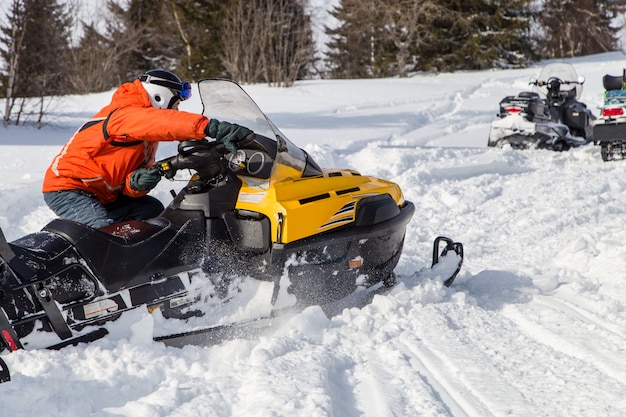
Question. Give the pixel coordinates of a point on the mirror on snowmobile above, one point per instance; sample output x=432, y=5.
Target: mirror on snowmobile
x=581, y=80
x=532, y=80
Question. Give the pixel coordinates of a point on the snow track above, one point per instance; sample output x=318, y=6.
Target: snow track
x=534, y=325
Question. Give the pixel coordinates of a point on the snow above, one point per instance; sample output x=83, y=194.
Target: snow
x=533, y=326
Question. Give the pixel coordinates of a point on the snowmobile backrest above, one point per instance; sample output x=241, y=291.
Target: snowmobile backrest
x=528, y=94
x=613, y=82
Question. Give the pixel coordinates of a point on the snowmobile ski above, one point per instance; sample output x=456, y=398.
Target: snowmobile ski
x=450, y=245
x=210, y=336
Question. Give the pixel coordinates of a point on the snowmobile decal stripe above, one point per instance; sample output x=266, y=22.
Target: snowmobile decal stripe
x=314, y=198
x=335, y=222
x=346, y=208
x=349, y=190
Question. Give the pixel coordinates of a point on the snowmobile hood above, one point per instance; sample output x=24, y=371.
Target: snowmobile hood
x=300, y=198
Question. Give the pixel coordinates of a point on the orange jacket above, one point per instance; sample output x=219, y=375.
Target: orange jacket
x=121, y=137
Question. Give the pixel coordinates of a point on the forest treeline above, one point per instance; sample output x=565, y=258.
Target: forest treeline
x=272, y=41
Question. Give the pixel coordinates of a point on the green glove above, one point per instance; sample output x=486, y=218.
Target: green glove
x=144, y=179
x=227, y=133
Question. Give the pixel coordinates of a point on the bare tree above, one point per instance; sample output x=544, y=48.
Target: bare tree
x=268, y=40
x=575, y=28
x=406, y=25
x=99, y=59
x=13, y=35
x=290, y=42
x=243, y=39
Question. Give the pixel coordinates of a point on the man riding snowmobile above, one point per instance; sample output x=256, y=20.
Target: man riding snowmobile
x=264, y=226
x=104, y=172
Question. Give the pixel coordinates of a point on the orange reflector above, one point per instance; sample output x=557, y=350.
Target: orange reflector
x=355, y=263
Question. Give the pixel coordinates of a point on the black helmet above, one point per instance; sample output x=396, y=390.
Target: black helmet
x=164, y=88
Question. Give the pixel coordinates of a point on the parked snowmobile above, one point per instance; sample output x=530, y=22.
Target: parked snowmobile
x=549, y=117
x=609, y=130
x=265, y=217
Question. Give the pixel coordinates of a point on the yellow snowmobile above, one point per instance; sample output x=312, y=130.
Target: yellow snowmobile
x=265, y=223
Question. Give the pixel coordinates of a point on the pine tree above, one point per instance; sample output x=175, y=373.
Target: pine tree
x=393, y=37
x=45, y=49
x=12, y=36
x=478, y=34
x=199, y=24
x=178, y=35
x=37, y=51
x=351, y=50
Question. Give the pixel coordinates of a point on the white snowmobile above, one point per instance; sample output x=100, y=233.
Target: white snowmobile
x=609, y=130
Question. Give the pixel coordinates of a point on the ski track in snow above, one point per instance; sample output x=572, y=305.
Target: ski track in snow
x=535, y=324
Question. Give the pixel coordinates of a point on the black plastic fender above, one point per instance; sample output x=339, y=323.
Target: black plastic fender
x=5, y=375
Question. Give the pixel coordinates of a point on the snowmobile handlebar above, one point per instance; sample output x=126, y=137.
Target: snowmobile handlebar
x=554, y=81
x=204, y=157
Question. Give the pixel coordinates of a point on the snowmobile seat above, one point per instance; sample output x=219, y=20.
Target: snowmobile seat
x=118, y=257
x=133, y=231
x=613, y=82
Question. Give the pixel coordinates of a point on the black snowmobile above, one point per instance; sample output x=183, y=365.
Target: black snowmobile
x=266, y=222
x=549, y=117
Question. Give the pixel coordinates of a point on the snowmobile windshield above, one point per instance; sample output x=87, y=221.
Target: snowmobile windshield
x=563, y=71
x=225, y=100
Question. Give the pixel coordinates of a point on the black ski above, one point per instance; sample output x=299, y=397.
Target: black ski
x=85, y=338
x=449, y=245
x=214, y=335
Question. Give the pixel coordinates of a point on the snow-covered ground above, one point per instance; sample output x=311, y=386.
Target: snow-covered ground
x=535, y=324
